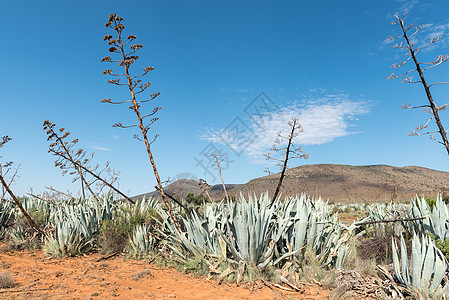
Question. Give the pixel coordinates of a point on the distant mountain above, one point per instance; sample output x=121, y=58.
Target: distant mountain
x=339, y=183
x=182, y=187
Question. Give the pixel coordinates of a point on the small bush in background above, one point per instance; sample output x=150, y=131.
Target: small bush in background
x=195, y=200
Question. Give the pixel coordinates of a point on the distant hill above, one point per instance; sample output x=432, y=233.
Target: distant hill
x=344, y=183
x=182, y=187
x=339, y=183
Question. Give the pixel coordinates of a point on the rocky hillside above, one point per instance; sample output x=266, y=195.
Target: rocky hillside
x=344, y=183
x=339, y=183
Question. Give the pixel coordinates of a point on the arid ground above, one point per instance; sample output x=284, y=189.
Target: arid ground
x=91, y=277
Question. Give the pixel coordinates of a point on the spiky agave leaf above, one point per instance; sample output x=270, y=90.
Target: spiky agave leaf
x=428, y=266
x=250, y=232
x=302, y=222
x=141, y=241
x=67, y=241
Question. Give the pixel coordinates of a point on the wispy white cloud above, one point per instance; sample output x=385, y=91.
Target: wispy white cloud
x=101, y=148
x=323, y=119
x=425, y=35
x=429, y=31
x=406, y=7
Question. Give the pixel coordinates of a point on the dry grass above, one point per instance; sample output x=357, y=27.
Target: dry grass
x=360, y=259
x=312, y=271
x=376, y=245
x=6, y=281
x=141, y=274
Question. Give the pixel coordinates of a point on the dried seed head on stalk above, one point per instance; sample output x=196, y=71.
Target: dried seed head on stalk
x=4, y=140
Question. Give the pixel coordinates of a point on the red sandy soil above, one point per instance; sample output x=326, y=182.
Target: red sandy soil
x=89, y=277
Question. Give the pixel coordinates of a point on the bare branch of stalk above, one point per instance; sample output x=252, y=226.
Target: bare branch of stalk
x=388, y=221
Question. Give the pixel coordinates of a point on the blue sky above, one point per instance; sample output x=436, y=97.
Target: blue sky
x=325, y=62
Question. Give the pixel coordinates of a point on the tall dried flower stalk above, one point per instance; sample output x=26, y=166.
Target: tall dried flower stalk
x=5, y=185
x=420, y=67
x=205, y=187
x=134, y=83
x=218, y=160
x=76, y=162
x=287, y=152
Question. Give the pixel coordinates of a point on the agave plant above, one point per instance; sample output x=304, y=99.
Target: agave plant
x=36, y=204
x=249, y=231
x=390, y=211
x=141, y=241
x=86, y=215
x=17, y=235
x=252, y=232
x=67, y=241
x=143, y=205
x=202, y=234
x=306, y=223
x=6, y=214
x=427, y=266
x=436, y=219
x=76, y=222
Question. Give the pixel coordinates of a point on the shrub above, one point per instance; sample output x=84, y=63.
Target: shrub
x=443, y=246
x=365, y=253
x=431, y=202
x=112, y=237
x=195, y=200
x=6, y=281
x=114, y=234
